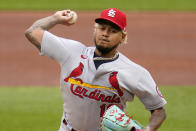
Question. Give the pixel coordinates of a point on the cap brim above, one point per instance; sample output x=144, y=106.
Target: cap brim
x=98, y=20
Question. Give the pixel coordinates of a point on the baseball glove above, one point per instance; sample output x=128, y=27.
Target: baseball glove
x=115, y=119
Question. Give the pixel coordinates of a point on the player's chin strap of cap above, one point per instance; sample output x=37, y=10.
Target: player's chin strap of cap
x=68, y=123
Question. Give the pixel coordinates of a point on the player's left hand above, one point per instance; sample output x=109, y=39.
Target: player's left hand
x=115, y=119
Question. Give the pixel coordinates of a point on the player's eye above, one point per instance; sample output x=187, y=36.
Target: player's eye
x=113, y=31
x=102, y=28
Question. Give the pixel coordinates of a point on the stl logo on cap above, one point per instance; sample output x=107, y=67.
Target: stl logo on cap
x=115, y=16
x=111, y=13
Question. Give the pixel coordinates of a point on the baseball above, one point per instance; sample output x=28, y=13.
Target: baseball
x=74, y=18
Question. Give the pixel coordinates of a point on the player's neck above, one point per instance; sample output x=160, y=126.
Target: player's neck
x=110, y=54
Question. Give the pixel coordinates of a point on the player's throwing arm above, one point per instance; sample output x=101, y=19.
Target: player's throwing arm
x=36, y=31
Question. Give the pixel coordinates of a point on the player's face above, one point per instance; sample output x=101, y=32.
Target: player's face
x=107, y=38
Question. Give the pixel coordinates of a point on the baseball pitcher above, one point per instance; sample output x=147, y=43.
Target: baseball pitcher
x=96, y=82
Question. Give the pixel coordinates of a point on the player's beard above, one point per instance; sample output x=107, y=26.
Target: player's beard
x=104, y=50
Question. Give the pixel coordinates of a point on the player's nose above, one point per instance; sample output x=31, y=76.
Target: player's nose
x=106, y=32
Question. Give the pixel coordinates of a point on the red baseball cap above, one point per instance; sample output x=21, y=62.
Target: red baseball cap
x=115, y=16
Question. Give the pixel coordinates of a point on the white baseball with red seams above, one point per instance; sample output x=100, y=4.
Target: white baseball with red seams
x=87, y=92
x=74, y=18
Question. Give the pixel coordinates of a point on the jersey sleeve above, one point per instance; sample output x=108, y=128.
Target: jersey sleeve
x=147, y=91
x=59, y=49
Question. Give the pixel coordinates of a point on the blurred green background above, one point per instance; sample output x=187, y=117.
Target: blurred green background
x=40, y=108
x=133, y=5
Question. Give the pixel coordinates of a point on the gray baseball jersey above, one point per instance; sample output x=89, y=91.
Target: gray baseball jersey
x=88, y=91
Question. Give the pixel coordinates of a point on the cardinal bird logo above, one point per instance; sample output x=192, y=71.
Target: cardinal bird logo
x=76, y=72
x=114, y=82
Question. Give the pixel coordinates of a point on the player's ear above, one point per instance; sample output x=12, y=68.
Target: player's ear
x=124, y=38
x=95, y=28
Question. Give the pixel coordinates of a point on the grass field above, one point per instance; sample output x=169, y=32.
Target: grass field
x=133, y=5
x=40, y=109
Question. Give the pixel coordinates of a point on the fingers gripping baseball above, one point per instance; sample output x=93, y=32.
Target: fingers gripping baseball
x=66, y=17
